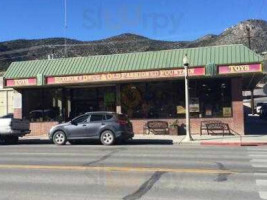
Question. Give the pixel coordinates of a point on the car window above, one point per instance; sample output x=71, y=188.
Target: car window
x=122, y=117
x=96, y=117
x=81, y=119
x=108, y=116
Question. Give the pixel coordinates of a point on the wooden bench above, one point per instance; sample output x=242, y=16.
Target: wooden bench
x=214, y=127
x=156, y=128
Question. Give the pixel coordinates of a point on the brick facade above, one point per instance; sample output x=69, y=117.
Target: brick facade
x=18, y=113
x=41, y=128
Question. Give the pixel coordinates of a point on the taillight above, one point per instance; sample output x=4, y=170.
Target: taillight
x=122, y=122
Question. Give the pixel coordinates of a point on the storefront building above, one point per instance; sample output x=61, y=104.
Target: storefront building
x=145, y=86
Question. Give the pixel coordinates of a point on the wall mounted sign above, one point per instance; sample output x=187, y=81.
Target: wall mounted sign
x=20, y=82
x=234, y=69
x=172, y=73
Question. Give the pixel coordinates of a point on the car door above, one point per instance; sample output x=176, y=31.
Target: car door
x=95, y=123
x=77, y=128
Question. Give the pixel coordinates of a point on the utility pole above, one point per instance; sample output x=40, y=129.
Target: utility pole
x=248, y=36
x=252, y=90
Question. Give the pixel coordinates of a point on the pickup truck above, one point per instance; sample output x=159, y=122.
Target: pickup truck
x=11, y=129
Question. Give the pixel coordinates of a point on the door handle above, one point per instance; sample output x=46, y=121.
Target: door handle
x=84, y=125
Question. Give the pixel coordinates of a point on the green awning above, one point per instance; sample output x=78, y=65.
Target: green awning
x=141, y=61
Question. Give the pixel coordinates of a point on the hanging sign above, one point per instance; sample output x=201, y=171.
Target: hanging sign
x=234, y=69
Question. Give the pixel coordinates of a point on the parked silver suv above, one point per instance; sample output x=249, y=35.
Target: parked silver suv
x=104, y=126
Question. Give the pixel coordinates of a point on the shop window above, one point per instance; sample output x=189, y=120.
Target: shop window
x=166, y=99
x=92, y=99
x=40, y=105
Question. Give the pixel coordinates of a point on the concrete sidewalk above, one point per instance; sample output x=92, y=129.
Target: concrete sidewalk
x=247, y=140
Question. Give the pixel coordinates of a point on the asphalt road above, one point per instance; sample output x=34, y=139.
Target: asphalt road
x=129, y=172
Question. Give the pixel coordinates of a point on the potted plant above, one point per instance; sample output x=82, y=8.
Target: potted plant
x=173, y=128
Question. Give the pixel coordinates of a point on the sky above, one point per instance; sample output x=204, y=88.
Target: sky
x=87, y=20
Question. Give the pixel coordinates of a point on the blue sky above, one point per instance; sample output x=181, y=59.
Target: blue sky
x=173, y=20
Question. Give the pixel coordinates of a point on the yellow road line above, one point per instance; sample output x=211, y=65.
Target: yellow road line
x=121, y=169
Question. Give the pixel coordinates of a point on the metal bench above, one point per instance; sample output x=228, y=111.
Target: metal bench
x=156, y=128
x=214, y=127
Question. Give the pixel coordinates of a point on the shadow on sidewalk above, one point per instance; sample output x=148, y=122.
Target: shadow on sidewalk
x=149, y=142
x=96, y=142
x=35, y=141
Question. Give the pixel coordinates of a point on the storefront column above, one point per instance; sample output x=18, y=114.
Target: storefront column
x=237, y=105
x=118, y=98
x=252, y=102
x=17, y=104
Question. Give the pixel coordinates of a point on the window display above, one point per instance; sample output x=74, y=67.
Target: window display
x=165, y=99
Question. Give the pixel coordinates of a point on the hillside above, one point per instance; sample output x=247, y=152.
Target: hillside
x=19, y=50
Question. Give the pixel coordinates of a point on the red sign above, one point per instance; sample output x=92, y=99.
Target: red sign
x=20, y=82
x=171, y=73
x=234, y=69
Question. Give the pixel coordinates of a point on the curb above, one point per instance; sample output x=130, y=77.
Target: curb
x=234, y=143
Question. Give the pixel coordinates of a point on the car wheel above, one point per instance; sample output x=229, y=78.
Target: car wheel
x=59, y=138
x=107, y=138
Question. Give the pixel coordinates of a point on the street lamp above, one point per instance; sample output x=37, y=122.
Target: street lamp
x=187, y=109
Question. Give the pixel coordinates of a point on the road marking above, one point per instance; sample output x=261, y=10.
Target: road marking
x=261, y=182
x=259, y=160
x=258, y=155
x=134, y=169
x=259, y=165
x=260, y=174
x=263, y=195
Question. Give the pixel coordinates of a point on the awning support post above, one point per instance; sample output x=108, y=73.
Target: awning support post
x=252, y=102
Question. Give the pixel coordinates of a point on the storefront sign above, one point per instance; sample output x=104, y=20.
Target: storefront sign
x=233, y=69
x=20, y=82
x=194, y=105
x=180, y=109
x=197, y=71
x=227, y=112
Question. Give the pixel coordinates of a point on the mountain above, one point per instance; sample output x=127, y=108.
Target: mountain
x=18, y=50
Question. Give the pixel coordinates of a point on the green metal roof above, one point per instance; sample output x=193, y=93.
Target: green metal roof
x=165, y=59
